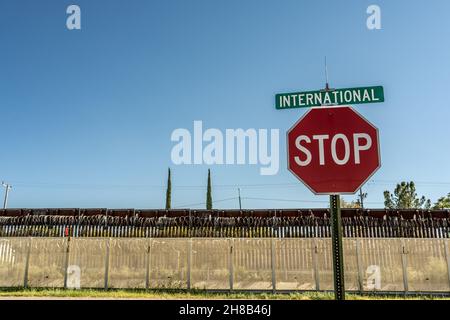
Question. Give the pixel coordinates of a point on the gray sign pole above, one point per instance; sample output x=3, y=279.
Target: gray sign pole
x=336, y=238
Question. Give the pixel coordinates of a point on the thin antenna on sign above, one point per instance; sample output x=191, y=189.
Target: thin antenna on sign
x=327, y=87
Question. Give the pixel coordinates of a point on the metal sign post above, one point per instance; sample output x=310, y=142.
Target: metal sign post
x=323, y=165
x=336, y=239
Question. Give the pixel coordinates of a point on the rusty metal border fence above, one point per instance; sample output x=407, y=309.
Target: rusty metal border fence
x=281, y=223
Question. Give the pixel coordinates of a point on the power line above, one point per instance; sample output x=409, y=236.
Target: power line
x=297, y=200
x=285, y=200
x=75, y=185
x=204, y=203
x=415, y=182
x=264, y=199
x=193, y=187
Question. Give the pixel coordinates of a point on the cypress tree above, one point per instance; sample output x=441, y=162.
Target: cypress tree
x=208, y=192
x=169, y=191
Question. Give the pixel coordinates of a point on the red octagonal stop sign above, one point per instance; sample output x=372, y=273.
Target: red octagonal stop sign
x=333, y=150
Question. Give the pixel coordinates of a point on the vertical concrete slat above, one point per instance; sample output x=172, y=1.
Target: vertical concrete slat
x=108, y=248
x=315, y=263
x=66, y=261
x=404, y=266
x=231, y=249
x=272, y=250
x=27, y=263
x=447, y=258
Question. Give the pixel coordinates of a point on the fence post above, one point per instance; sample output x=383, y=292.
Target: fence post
x=230, y=257
x=315, y=264
x=272, y=250
x=447, y=257
x=66, y=261
x=78, y=223
x=404, y=266
x=108, y=245
x=189, y=264
x=27, y=263
x=147, y=267
x=359, y=265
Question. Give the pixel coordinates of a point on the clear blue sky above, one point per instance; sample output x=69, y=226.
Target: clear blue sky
x=87, y=114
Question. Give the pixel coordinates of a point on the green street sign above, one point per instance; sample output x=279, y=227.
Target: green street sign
x=331, y=97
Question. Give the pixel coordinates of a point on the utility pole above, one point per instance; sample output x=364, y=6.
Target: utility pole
x=361, y=198
x=239, y=193
x=7, y=188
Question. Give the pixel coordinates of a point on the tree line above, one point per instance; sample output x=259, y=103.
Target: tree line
x=404, y=196
x=169, y=191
